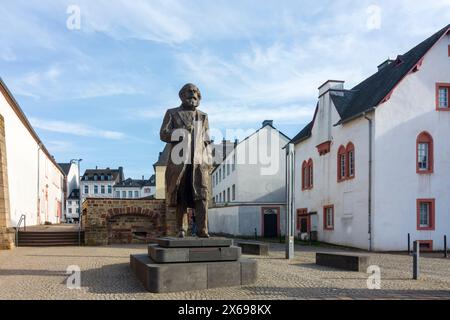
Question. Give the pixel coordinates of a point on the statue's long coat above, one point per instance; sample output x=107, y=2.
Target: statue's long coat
x=201, y=154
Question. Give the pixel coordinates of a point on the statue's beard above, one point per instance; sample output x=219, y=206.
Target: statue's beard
x=191, y=103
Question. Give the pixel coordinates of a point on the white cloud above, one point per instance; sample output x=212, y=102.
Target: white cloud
x=75, y=129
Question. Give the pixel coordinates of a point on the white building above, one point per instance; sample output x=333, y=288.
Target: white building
x=34, y=181
x=374, y=163
x=248, y=188
x=135, y=189
x=71, y=189
x=99, y=183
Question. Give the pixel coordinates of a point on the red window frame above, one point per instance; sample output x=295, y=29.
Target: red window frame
x=350, y=148
x=425, y=137
x=432, y=225
x=439, y=86
x=325, y=226
x=307, y=175
x=341, y=152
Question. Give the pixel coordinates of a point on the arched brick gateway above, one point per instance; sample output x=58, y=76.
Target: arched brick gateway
x=113, y=221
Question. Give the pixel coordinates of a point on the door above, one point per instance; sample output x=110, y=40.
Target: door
x=304, y=225
x=270, y=221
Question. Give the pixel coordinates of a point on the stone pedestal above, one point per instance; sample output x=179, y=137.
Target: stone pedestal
x=175, y=265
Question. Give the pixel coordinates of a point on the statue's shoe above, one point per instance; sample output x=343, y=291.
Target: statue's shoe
x=203, y=235
x=182, y=234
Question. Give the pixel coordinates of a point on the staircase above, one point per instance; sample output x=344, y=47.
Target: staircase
x=50, y=239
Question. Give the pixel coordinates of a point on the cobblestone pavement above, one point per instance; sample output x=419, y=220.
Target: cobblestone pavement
x=39, y=273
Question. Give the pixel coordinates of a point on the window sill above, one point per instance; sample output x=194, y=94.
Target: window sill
x=443, y=109
x=426, y=229
x=425, y=172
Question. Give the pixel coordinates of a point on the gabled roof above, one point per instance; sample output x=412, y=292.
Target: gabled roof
x=65, y=167
x=373, y=91
x=114, y=173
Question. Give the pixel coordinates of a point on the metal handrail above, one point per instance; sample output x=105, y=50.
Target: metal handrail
x=23, y=218
x=80, y=227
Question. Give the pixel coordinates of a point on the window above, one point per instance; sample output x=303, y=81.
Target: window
x=307, y=175
x=301, y=214
x=70, y=203
x=443, y=96
x=147, y=190
x=220, y=197
x=70, y=210
x=342, y=164
x=78, y=210
x=328, y=218
x=233, y=166
x=124, y=194
x=136, y=194
x=220, y=174
x=95, y=177
x=310, y=171
x=425, y=214
x=214, y=180
x=424, y=153
x=95, y=189
x=228, y=195
x=102, y=188
x=233, y=192
x=86, y=189
x=117, y=194
x=110, y=189
x=223, y=170
x=350, y=160
x=102, y=177
x=223, y=195
x=130, y=194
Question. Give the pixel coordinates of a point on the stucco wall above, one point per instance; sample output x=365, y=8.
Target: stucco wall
x=411, y=110
x=24, y=182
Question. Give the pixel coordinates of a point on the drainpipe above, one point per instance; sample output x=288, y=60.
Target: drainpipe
x=370, y=181
x=38, y=184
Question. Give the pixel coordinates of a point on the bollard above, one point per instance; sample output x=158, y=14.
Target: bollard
x=416, y=256
x=409, y=244
x=445, y=247
x=256, y=235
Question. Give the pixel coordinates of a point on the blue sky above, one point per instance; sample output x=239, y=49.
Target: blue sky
x=100, y=92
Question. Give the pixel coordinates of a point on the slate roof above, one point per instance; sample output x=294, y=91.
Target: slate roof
x=65, y=167
x=367, y=95
x=163, y=157
x=135, y=183
x=74, y=195
x=114, y=173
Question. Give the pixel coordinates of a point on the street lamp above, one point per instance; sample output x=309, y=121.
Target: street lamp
x=79, y=185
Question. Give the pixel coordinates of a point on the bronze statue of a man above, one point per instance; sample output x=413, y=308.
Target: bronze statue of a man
x=186, y=130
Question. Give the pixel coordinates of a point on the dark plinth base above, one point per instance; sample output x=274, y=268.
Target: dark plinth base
x=191, y=242
x=346, y=262
x=254, y=248
x=174, y=265
x=164, y=278
x=194, y=254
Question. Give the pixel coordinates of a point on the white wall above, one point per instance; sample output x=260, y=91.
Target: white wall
x=22, y=156
x=411, y=110
x=252, y=184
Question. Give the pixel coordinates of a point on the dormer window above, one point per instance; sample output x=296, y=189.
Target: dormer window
x=95, y=177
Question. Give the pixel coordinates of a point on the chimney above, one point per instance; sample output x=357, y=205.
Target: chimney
x=121, y=177
x=143, y=178
x=236, y=142
x=385, y=64
x=267, y=123
x=224, y=149
x=96, y=167
x=331, y=85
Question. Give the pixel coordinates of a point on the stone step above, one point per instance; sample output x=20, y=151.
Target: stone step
x=206, y=254
x=193, y=242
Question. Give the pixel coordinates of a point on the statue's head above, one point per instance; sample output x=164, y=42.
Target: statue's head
x=190, y=96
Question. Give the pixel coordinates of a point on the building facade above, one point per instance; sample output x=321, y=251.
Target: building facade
x=99, y=183
x=136, y=189
x=248, y=187
x=71, y=188
x=373, y=165
x=35, y=181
